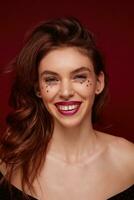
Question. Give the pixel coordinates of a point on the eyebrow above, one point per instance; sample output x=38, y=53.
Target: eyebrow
x=46, y=72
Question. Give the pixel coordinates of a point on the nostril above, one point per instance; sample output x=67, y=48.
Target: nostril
x=66, y=92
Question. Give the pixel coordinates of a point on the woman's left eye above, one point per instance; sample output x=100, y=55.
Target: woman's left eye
x=80, y=77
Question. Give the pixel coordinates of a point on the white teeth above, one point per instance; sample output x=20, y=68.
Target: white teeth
x=70, y=107
x=65, y=108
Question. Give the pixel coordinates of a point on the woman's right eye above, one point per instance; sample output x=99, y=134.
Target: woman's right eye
x=50, y=80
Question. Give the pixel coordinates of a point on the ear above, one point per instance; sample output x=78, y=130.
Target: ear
x=37, y=90
x=100, y=83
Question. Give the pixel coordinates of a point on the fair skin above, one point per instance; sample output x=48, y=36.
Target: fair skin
x=81, y=162
x=74, y=140
x=69, y=136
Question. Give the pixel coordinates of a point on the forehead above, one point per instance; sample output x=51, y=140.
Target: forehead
x=65, y=60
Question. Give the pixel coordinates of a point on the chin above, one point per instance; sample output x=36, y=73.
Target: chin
x=69, y=122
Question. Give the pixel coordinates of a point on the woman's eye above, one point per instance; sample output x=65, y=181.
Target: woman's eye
x=50, y=80
x=80, y=77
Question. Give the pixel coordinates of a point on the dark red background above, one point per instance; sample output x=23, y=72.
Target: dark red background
x=112, y=22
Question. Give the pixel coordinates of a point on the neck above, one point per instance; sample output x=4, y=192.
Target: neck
x=73, y=143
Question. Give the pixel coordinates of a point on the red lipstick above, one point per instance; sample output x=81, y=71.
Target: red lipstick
x=68, y=108
x=68, y=103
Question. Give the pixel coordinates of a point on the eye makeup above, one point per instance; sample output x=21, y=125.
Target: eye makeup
x=80, y=78
x=51, y=80
x=89, y=82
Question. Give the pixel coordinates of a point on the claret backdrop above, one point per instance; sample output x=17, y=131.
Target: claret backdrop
x=112, y=23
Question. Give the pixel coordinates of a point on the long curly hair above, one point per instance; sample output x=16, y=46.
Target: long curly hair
x=30, y=126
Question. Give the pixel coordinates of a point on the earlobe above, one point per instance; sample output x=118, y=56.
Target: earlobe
x=98, y=91
x=100, y=83
x=38, y=94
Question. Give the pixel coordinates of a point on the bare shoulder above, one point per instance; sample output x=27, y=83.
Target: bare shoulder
x=121, y=151
x=119, y=143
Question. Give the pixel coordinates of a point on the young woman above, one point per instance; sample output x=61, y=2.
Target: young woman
x=50, y=150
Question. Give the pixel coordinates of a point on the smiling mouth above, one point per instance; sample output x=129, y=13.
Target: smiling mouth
x=68, y=109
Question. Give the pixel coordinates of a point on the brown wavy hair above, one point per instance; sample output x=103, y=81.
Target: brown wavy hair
x=30, y=126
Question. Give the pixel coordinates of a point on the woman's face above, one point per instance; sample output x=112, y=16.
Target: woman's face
x=68, y=85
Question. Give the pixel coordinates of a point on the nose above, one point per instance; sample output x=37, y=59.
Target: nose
x=66, y=89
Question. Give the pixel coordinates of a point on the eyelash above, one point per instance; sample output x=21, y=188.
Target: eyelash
x=81, y=77
x=50, y=80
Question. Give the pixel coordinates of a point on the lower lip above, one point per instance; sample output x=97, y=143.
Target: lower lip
x=68, y=112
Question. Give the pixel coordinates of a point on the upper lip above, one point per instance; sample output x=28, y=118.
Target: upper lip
x=68, y=103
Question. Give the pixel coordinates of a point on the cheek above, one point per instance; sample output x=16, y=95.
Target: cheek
x=48, y=92
x=86, y=89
